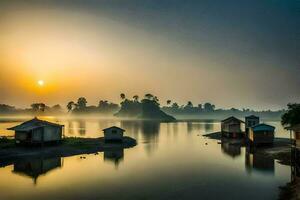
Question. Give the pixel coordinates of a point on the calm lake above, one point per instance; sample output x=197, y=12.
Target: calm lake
x=171, y=161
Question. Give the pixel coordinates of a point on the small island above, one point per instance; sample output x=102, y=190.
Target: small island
x=146, y=109
x=69, y=146
x=40, y=138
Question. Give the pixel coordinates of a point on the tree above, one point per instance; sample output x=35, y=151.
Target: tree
x=149, y=96
x=70, y=106
x=209, y=107
x=135, y=98
x=292, y=116
x=42, y=107
x=189, y=104
x=122, y=96
x=200, y=106
x=81, y=102
x=169, y=102
x=38, y=107
x=35, y=106
x=175, y=106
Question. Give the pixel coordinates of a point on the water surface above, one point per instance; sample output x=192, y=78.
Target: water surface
x=171, y=161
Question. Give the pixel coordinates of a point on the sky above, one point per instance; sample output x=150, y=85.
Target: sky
x=231, y=53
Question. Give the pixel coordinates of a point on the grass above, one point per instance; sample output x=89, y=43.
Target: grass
x=6, y=142
x=81, y=143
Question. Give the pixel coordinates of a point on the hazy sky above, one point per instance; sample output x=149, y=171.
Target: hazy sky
x=231, y=53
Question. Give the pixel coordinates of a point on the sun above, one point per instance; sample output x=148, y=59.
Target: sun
x=41, y=83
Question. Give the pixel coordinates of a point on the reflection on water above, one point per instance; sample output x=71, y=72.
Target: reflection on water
x=114, y=155
x=260, y=162
x=82, y=127
x=232, y=150
x=35, y=167
x=171, y=161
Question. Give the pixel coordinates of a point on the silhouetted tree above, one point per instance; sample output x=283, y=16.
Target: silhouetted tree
x=190, y=104
x=7, y=109
x=209, y=107
x=35, y=107
x=292, y=116
x=135, y=98
x=149, y=96
x=169, y=102
x=70, y=106
x=42, y=107
x=200, y=106
x=81, y=102
x=122, y=96
x=38, y=107
x=175, y=106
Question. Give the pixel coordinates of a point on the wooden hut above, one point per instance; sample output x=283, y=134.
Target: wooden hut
x=37, y=131
x=231, y=127
x=113, y=133
x=261, y=134
x=250, y=121
x=295, y=135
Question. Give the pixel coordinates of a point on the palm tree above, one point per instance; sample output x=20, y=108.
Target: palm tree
x=149, y=96
x=70, y=105
x=135, y=98
x=122, y=95
x=81, y=102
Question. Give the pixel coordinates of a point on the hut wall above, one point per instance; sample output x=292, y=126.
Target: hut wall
x=113, y=134
x=297, y=138
x=231, y=127
x=52, y=133
x=37, y=135
x=21, y=135
x=251, y=122
x=261, y=137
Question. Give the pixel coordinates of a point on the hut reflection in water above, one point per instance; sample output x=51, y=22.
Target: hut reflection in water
x=255, y=161
x=35, y=167
x=115, y=155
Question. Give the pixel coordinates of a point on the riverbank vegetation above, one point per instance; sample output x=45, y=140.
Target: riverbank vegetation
x=147, y=107
x=67, y=147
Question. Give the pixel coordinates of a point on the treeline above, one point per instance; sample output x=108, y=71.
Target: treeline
x=147, y=108
x=81, y=107
x=133, y=107
x=35, y=108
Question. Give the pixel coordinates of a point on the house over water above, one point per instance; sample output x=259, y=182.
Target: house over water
x=113, y=133
x=231, y=127
x=37, y=131
x=295, y=135
x=261, y=134
x=250, y=121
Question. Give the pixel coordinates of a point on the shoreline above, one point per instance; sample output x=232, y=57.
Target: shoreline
x=70, y=146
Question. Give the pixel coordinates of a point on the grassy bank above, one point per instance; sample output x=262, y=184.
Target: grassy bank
x=70, y=146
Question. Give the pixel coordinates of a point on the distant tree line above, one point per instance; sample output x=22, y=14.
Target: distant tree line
x=81, y=107
x=147, y=108
x=132, y=107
